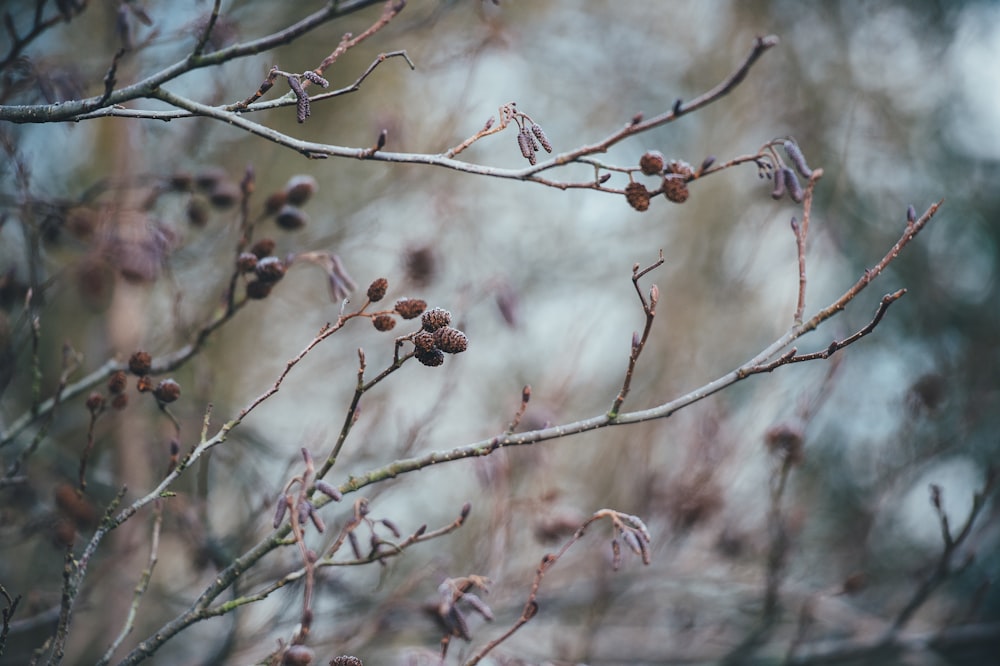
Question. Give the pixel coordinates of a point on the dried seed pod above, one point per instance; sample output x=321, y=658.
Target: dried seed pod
x=117, y=382
x=270, y=269
x=139, y=363
x=377, y=289
x=539, y=133
x=291, y=218
x=95, y=402
x=450, y=340
x=430, y=357
x=279, y=511
x=258, y=289
x=329, y=490
x=145, y=384
x=225, y=194
x=167, y=391
x=274, y=202
x=434, y=319
x=316, y=78
x=675, y=190
x=263, y=248
x=792, y=183
x=637, y=196
x=681, y=168
x=384, y=322
x=246, y=262
x=652, y=162
x=423, y=341
x=410, y=308
x=299, y=189
x=797, y=158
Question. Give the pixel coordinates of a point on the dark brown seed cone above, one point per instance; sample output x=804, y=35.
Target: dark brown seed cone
x=263, y=248
x=291, y=218
x=435, y=318
x=384, y=322
x=258, y=289
x=450, y=340
x=225, y=194
x=299, y=189
x=652, y=162
x=681, y=168
x=270, y=269
x=410, y=308
x=274, y=202
x=246, y=262
x=423, y=341
x=431, y=357
x=139, y=363
x=377, y=289
x=95, y=402
x=117, y=382
x=167, y=391
x=676, y=190
x=637, y=196
x=145, y=384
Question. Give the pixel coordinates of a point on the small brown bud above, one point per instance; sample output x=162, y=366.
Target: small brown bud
x=423, y=341
x=299, y=189
x=384, y=322
x=526, y=393
x=167, y=391
x=706, y=164
x=377, y=289
x=225, y=194
x=466, y=510
x=180, y=182
x=139, y=363
x=676, y=190
x=144, y=384
x=291, y=218
x=246, y=262
x=270, y=269
x=207, y=179
x=637, y=196
x=297, y=655
x=258, y=289
x=654, y=296
x=450, y=340
x=410, y=308
x=652, y=162
x=263, y=248
x=434, y=319
x=911, y=214
x=382, y=137
x=489, y=123
x=637, y=118
x=430, y=357
x=95, y=402
x=274, y=202
x=120, y=401
x=605, y=177
x=117, y=382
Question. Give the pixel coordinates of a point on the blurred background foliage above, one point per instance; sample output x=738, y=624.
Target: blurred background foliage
x=896, y=101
